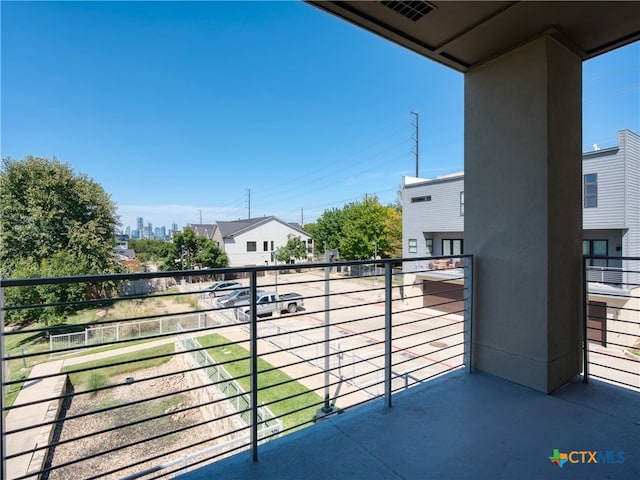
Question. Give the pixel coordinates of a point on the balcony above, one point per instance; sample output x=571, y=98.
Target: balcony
x=150, y=376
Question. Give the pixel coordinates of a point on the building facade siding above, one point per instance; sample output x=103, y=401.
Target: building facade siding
x=616, y=218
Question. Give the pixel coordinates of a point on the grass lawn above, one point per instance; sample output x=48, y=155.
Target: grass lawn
x=104, y=368
x=306, y=400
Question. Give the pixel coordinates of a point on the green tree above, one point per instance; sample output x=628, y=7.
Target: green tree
x=295, y=248
x=150, y=250
x=327, y=230
x=188, y=251
x=363, y=233
x=47, y=208
x=393, y=231
x=53, y=222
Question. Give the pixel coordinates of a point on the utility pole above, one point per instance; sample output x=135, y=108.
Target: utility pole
x=249, y=201
x=417, y=139
x=200, y=217
x=302, y=217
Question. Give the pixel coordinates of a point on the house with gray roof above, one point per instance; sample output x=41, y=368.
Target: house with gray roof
x=256, y=241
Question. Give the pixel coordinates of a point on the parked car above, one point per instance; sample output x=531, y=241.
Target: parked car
x=223, y=287
x=234, y=297
x=269, y=302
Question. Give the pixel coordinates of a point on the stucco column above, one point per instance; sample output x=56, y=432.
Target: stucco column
x=523, y=212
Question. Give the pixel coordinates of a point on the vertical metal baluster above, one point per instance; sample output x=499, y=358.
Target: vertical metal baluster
x=3, y=440
x=253, y=354
x=388, y=300
x=327, y=338
x=585, y=313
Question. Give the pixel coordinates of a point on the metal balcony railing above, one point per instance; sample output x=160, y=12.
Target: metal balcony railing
x=144, y=376
x=612, y=321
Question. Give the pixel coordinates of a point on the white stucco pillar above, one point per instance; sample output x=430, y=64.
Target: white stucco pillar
x=523, y=212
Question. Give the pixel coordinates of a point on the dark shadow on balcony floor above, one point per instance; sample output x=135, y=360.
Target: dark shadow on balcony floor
x=461, y=426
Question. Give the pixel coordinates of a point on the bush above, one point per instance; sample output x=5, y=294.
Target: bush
x=95, y=380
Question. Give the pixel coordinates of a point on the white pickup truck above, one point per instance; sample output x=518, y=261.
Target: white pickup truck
x=269, y=302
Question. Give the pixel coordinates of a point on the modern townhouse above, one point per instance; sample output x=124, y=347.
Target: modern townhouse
x=433, y=225
x=253, y=241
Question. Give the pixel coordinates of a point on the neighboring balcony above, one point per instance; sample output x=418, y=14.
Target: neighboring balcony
x=153, y=376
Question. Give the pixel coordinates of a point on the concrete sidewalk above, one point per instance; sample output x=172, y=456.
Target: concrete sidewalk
x=33, y=389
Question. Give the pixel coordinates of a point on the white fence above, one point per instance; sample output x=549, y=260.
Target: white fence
x=94, y=336
x=226, y=385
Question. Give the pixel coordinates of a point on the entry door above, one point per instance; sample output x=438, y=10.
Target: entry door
x=597, y=322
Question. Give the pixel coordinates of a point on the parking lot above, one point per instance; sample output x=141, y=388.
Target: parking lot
x=425, y=342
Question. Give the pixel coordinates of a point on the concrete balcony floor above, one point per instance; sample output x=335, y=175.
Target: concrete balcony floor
x=461, y=426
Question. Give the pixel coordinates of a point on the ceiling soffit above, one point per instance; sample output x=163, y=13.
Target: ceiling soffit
x=464, y=34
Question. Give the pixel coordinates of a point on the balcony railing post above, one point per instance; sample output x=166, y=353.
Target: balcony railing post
x=3, y=441
x=388, y=303
x=327, y=338
x=253, y=354
x=585, y=316
x=468, y=310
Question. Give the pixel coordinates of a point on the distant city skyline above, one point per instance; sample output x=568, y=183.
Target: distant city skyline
x=147, y=230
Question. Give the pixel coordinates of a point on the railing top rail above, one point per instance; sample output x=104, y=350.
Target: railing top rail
x=119, y=277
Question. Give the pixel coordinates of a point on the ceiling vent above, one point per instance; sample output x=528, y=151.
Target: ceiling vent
x=414, y=11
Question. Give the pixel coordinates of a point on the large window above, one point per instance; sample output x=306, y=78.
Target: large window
x=590, y=190
x=596, y=248
x=452, y=246
x=252, y=247
x=413, y=245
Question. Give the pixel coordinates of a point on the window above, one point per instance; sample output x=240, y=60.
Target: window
x=426, y=198
x=413, y=245
x=596, y=248
x=462, y=204
x=272, y=245
x=265, y=246
x=429, y=245
x=590, y=190
x=452, y=246
x=252, y=247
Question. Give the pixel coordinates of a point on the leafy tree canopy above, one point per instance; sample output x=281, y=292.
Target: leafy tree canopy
x=295, y=248
x=148, y=250
x=188, y=251
x=47, y=208
x=53, y=222
x=360, y=230
x=327, y=230
x=363, y=234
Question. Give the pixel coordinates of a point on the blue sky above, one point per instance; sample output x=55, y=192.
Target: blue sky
x=179, y=110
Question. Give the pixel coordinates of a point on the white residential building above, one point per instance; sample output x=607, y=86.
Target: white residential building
x=256, y=241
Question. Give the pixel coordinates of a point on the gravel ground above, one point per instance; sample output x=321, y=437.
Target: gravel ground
x=100, y=466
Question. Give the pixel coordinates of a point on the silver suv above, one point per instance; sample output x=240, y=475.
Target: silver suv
x=223, y=287
x=234, y=297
